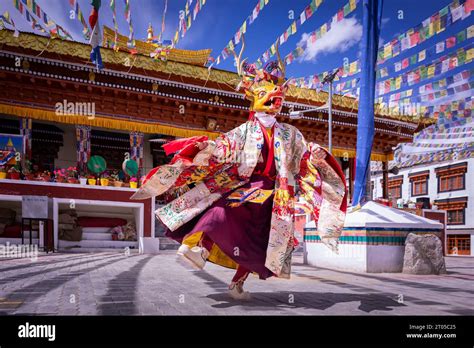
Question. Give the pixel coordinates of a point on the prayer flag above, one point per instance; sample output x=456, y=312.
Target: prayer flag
x=450, y=41
x=422, y=55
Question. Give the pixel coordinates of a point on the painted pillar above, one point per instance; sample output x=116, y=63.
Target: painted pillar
x=385, y=180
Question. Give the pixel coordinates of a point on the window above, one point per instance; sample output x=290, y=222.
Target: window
x=451, y=182
x=111, y=146
x=395, y=187
x=395, y=192
x=459, y=244
x=455, y=209
x=419, y=188
x=419, y=183
x=451, y=178
x=456, y=217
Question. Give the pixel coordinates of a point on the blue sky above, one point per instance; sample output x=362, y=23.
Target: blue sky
x=220, y=19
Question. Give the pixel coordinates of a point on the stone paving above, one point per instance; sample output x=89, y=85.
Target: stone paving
x=116, y=284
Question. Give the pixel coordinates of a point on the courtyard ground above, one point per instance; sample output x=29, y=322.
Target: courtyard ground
x=116, y=284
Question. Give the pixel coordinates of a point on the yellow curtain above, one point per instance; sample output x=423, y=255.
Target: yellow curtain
x=103, y=122
x=126, y=125
x=352, y=153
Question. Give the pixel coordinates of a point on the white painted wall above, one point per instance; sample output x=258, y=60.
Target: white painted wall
x=351, y=257
x=472, y=243
x=385, y=258
x=357, y=257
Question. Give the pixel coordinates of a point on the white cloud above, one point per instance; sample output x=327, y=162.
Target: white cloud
x=340, y=38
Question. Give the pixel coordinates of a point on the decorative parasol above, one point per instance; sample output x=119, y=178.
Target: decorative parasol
x=97, y=164
x=130, y=167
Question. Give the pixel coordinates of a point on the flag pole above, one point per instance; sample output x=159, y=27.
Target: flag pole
x=372, y=15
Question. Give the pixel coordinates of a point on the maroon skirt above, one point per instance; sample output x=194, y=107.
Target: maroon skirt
x=241, y=233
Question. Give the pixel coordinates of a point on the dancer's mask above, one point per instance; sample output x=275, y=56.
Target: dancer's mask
x=265, y=87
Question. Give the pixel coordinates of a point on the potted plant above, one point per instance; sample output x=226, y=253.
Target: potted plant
x=104, y=180
x=91, y=180
x=27, y=171
x=3, y=172
x=133, y=182
x=71, y=175
x=82, y=180
x=116, y=179
x=30, y=176
x=60, y=175
x=14, y=173
x=45, y=176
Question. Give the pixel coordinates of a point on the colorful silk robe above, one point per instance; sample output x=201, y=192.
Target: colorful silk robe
x=228, y=162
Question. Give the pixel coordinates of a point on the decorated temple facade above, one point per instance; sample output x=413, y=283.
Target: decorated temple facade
x=174, y=97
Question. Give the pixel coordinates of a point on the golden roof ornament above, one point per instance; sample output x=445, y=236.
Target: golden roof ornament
x=150, y=33
x=143, y=47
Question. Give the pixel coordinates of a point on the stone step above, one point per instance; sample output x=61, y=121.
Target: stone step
x=168, y=244
x=96, y=229
x=97, y=250
x=96, y=236
x=114, y=244
x=17, y=241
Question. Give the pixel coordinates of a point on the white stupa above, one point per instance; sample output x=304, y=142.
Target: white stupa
x=373, y=239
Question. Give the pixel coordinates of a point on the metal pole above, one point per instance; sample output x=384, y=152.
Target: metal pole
x=330, y=117
x=368, y=185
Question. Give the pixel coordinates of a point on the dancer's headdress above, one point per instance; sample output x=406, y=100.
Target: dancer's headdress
x=265, y=87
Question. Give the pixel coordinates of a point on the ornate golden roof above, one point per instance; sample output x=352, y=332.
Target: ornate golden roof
x=180, y=65
x=184, y=56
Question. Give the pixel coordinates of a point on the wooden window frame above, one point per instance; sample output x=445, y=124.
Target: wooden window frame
x=458, y=176
x=397, y=189
x=454, y=204
x=452, y=241
x=395, y=183
x=457, y=222
x=417, y=178
x=448, y=173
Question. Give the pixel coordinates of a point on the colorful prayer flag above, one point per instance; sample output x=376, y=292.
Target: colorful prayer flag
x=96, y=37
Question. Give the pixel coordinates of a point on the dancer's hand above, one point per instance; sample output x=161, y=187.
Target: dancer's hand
x=318, y=153
x=202, y=145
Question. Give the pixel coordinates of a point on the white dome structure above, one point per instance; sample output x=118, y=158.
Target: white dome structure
x=373, y=239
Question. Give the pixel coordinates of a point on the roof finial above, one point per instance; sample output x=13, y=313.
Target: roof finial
x=150, y=33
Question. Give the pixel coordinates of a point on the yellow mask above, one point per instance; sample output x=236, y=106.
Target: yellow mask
x=265, y=89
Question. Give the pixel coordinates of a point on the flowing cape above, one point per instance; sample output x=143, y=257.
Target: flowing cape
x=198, y=178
